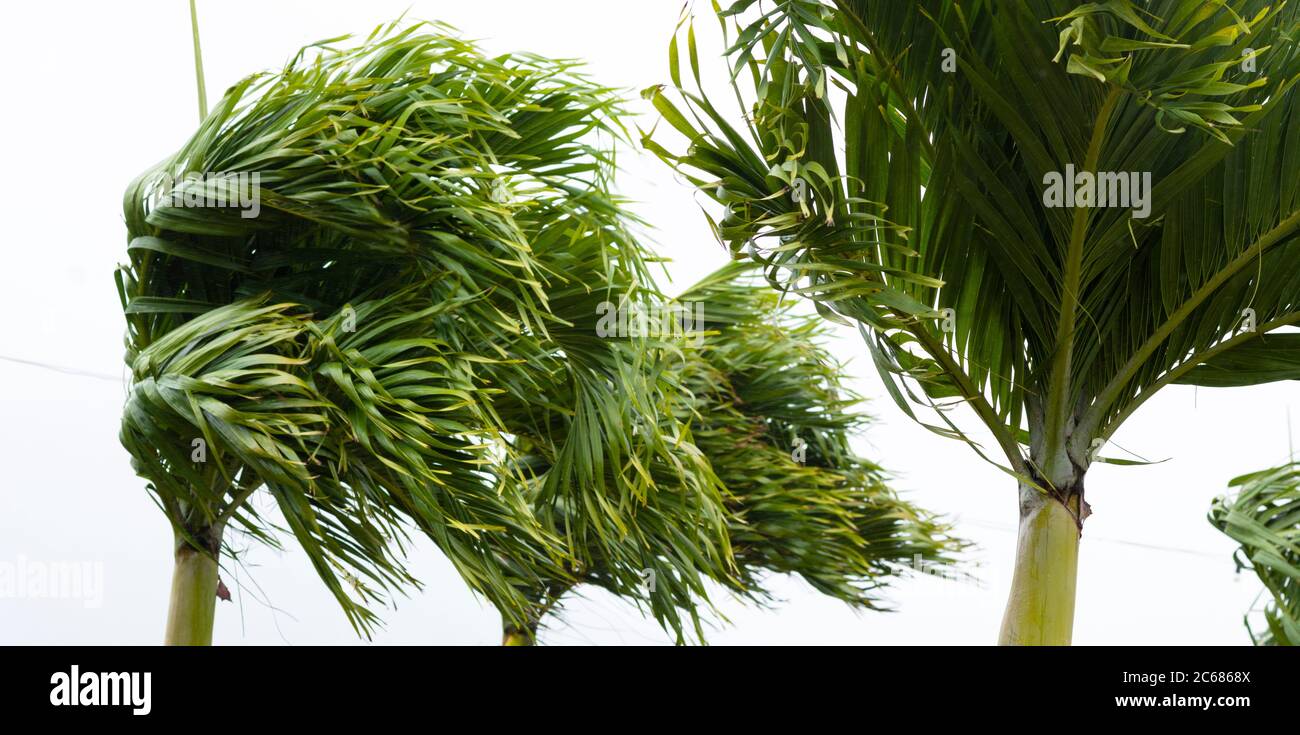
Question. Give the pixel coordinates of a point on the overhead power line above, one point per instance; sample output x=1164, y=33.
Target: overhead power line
x=1103, y=539
x=62, y=369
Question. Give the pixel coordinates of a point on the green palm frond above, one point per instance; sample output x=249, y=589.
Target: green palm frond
x=933, y=172
x=410, y=303
x=773, y=418
x=1264, y=517
x=759, y=403
x=1063, y=320
x=604, y=462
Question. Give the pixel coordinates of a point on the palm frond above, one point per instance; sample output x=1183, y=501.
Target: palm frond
x=773, y=418
x=1263, y=515
x=931, y=229
x=432, y=223
x=759, y=403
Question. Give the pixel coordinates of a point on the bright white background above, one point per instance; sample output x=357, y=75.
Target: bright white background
x=96, y=92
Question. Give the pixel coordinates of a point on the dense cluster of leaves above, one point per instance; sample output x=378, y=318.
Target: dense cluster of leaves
x=767, y=409
x=405, y=337
x=1264, y=517
x=772, y=416
x=891, y=164
x=454, y=211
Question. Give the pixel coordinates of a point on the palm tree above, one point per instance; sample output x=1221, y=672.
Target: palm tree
x=435, y=228
x=766, y=408
x=1264, y=517
x=406, y=335
x=905, y=166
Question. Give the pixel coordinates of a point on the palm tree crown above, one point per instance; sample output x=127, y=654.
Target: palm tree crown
x=902, y=164
x=404, y=332
x=766, y=408
x=356, y=348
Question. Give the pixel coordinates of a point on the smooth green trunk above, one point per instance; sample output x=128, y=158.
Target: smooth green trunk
x=1040, y=611
x=194, y=598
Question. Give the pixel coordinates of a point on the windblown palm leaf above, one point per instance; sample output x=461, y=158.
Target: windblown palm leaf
x=413, y=299
x=894, y=165
x=1264, y=517
x=607, y=466
x=767, y=410
x=774, y=420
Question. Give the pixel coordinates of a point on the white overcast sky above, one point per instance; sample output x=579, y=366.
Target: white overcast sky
x=99, y=91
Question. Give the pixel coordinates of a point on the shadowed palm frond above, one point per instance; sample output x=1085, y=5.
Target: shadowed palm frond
x=1063, y=320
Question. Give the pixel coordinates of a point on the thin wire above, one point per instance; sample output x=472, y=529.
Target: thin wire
x=1139, y=544
x=62, y=369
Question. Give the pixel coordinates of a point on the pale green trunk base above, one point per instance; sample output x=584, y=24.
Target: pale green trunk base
x=194, y=599
x=1040, y=611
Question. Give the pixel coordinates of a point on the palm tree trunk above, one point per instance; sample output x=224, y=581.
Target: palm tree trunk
x=513, y=635
x=1040, y=611
x=194, y=597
